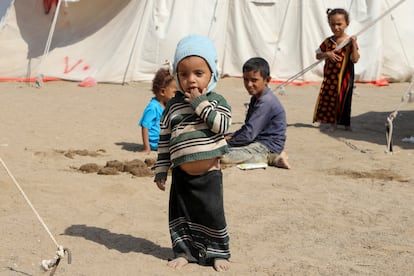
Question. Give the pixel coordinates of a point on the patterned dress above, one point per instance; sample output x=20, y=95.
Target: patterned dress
x=333, y=105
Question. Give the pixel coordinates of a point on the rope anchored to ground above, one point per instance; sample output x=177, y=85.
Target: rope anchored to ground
x=61, y=251
x=408, y=95
x=53, y=263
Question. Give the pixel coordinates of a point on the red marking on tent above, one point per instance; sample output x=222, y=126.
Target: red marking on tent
x=67, y=69
x=379, y=82
x=48, y=5
x=296, y=83
x=45, y=79
x=86, y=67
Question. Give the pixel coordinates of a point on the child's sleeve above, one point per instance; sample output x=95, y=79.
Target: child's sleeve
x=163, y=163
x=214, y=110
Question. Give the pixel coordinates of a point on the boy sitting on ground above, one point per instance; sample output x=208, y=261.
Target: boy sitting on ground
x=262, y=137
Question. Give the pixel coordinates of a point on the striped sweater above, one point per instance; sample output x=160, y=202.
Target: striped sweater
x=192, y=131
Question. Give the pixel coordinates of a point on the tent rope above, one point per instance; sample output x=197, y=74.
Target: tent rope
x=400, y=39
x=281, y=86
x=46, y=264
x=408, y=94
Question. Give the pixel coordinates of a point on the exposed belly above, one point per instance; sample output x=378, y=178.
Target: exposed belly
x=201, y=166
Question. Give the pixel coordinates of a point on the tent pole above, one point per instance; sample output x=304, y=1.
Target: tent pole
x=49, y=39
x=51, y=31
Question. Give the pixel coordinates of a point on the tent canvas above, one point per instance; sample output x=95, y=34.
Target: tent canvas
x=128, y=40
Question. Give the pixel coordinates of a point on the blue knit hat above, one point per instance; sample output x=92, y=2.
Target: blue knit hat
x=197, y=45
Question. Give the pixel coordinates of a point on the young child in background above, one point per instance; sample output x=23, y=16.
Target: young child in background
x=333, y=105
x=163, y=87
x=191, y=143
x=263, y=135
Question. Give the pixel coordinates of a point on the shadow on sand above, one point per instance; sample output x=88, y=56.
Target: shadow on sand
x=371, y=127
x=121, y=242
x=134, y=147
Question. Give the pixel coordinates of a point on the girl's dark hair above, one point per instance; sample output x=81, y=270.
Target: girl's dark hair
x=331, y=12
x=161, y=79
x=257, y=64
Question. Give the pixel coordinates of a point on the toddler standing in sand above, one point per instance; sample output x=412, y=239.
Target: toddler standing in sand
x=191, y=143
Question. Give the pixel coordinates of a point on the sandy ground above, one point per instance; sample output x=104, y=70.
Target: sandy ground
x=346, y=207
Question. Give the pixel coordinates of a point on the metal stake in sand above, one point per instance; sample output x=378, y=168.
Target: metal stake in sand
x=390, y=118
x=60, y=253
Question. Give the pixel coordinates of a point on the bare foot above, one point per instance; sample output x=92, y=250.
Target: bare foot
x=332, y=128
x=279, y=160
x=177, y=263
x=282, y=161
x=221, y=265
x=226, y=165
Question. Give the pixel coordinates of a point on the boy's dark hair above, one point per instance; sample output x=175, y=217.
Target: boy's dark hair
x=161, y=79
x=257, y=64
x=331, y=12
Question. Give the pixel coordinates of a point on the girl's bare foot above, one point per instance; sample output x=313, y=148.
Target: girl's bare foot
x=177, y=263
x=332, y=128
x=221, y=265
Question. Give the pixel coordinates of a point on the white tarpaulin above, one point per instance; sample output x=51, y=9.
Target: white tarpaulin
x=128, y=40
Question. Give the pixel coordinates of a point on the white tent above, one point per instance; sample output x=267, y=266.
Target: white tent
x=127, y=40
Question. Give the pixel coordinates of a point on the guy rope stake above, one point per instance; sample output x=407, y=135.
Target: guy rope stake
x=281, y=86
x=60, y=253
x=390, y=118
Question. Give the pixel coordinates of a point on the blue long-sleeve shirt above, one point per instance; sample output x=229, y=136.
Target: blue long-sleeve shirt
x=265, y=123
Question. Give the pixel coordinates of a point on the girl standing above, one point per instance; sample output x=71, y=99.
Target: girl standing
x=333, y=105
